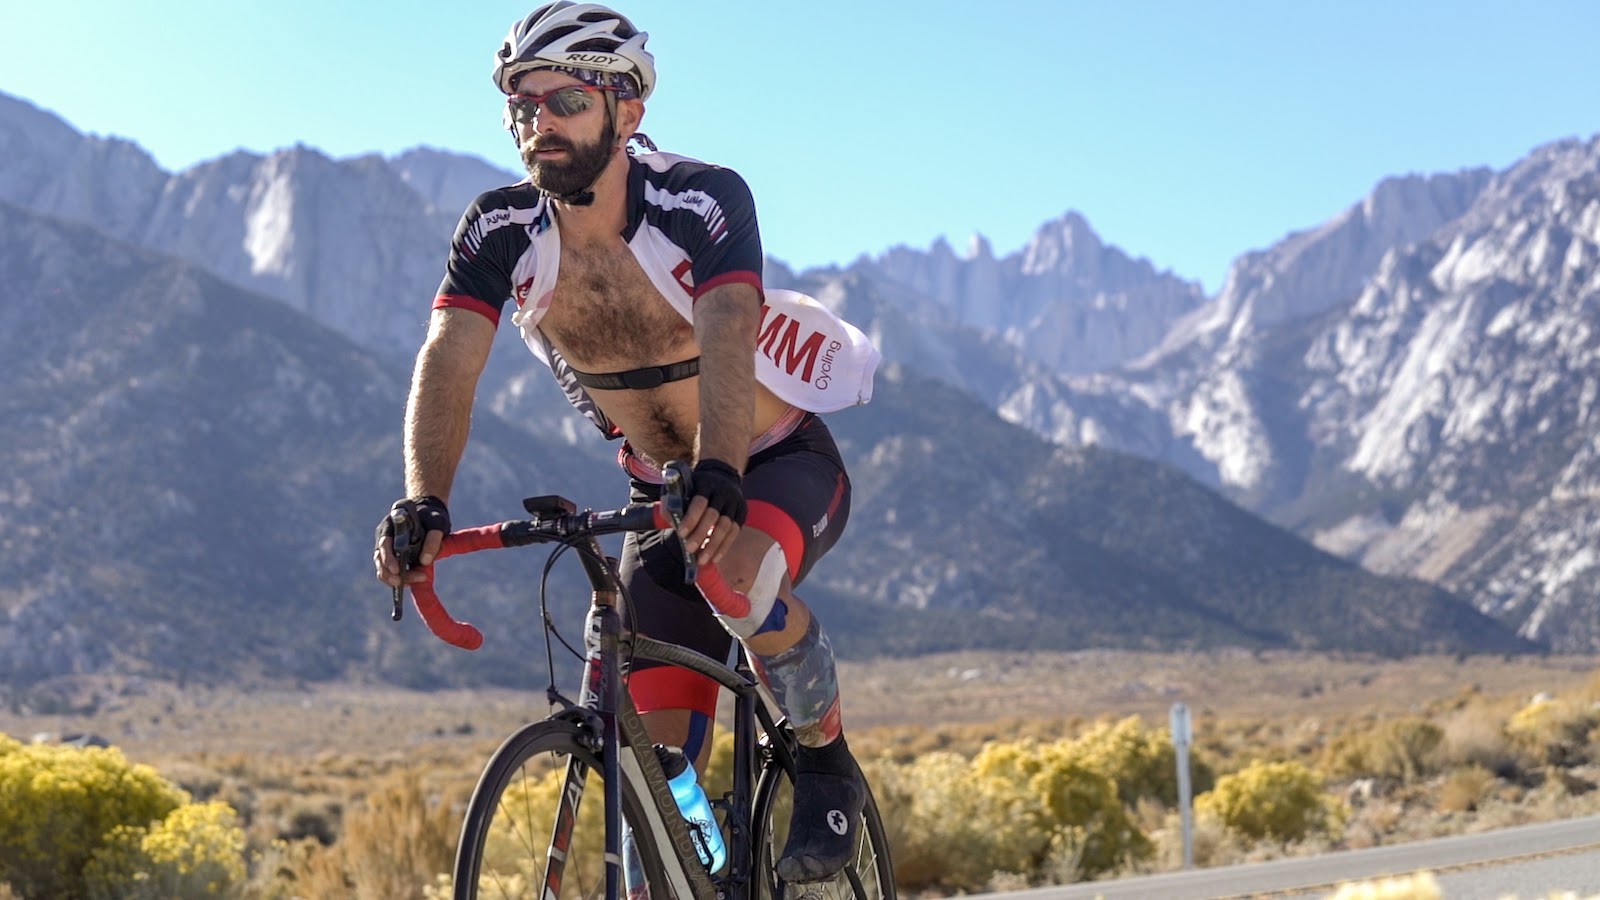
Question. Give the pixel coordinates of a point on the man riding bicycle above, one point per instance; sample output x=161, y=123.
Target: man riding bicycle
x=637, y=279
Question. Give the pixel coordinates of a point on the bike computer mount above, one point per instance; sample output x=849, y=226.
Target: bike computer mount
x=549, y=505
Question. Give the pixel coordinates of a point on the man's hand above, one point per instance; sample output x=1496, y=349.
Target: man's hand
x=716, y=511
x=428, y=519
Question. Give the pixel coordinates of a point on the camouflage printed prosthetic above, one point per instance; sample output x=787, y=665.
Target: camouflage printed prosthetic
x=799, y=496
x=803, y=681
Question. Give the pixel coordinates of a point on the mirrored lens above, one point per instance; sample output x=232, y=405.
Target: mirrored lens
x=570, y=100
x=561, y=102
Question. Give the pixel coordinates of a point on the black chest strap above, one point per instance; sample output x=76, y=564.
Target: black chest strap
x=640, y=379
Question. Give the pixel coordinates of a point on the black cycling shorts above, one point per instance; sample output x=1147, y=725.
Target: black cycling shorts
x=798, y=493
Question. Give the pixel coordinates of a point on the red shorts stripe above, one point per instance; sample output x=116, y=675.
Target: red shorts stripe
x=669, y=687
x=463, y=301
x=838, y=494
x=776, y=524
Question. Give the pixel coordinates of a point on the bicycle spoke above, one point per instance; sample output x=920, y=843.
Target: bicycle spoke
x=511, y=827
x=867, y=876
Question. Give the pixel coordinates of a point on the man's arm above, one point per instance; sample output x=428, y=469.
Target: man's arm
x=725, y=322
x=439, y=414
x=439, y=410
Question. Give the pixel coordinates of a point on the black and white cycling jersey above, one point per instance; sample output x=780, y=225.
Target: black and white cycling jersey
x=691, y=227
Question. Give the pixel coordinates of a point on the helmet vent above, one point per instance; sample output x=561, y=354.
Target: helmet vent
x=600, y=44
x=556, y=34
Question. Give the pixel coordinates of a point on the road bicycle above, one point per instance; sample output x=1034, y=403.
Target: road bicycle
x=530, y=829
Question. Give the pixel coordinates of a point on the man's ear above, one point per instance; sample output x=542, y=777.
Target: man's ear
x=630, y=113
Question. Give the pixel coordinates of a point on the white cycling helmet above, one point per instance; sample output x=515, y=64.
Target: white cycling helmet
x=575, y=35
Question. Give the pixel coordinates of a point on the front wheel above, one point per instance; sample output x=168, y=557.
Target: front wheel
x=868, y=876
x=540, y=790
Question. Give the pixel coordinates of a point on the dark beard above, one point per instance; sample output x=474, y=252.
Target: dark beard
x=583, y=164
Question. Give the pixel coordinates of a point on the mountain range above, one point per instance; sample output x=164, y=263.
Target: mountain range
x=1409, y=385
x=1068, y=447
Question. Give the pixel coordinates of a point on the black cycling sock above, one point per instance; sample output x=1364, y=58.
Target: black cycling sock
x=832, y=758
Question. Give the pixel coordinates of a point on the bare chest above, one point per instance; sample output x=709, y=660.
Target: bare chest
x=607, y=315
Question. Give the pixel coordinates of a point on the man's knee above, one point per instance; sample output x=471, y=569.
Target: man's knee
x=761, y=578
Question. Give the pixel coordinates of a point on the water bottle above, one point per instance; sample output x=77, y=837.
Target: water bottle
x=695, y=807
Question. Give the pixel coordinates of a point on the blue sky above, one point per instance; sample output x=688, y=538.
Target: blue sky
x=1185, y=132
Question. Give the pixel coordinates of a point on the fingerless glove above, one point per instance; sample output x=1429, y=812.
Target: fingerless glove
x=422, y=515
x=719, y=483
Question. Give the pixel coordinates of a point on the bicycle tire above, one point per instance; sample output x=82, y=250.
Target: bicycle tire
x=869, y=876
x=506, y=832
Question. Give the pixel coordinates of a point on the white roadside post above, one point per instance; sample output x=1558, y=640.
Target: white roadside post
x=1182, y=736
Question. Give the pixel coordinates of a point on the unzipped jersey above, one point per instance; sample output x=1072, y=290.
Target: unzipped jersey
x=691, y=227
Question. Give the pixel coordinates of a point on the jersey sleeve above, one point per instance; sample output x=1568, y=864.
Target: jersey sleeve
x=482, y=256
x=724, y=247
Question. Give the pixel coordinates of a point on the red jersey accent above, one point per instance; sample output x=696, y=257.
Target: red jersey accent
x=462, y=301
x=751, y=278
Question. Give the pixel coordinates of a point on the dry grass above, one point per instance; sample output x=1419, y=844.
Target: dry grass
x=1465, y=789
x=372, y=765
x=395, y=841
x=916, y=703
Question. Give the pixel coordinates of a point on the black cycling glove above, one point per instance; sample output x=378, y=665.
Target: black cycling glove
x=422, y=515
x=718, y=482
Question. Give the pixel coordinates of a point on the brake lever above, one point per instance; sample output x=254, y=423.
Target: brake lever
x=402, y=543
x=675, y=493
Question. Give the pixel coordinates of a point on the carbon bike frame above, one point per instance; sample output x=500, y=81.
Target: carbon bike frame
x=605, y=711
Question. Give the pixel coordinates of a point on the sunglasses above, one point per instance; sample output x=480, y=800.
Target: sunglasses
x=563, y=102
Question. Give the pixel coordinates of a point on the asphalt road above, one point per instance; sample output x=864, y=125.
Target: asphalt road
x=1528, y=861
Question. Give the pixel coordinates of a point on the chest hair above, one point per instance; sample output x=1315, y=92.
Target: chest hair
x=607, y=311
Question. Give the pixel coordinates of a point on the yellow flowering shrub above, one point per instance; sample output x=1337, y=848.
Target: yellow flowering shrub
x=1032, y=811
x=1404, y=749
x=1283, y=801
x=1554, y=732
x=59, y=805
x=85, y=823
x=934, y=827
x=1141, y=761
x=1077, y=805
x=197, y=851
x=1418, y=886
